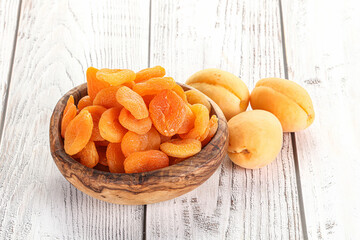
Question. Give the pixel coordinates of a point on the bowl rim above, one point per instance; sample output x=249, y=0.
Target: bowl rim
x=184, y=168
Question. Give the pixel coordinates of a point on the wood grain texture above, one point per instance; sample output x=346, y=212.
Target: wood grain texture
x=323, y=56
x=242, y=37
x=57, y=41
x=138, y=188
x=8, y=21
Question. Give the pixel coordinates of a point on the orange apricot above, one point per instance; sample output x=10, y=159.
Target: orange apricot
x=102, y=155
x=148, y=73
x=94, y=85
x=89, y=156
x=115, y=158
x=195, y=96
x=145, y=161
x=154, y=139
x=213, y=126
x=133, y=142
x=107, y=97
x=188, y=123
x=164, y=138
x=181, y=148
x=167, y=112
x=68, y=115
x=139, y=126
x=154, y=85
x=180, y=91
x=101, y=143
x=133, y=102
x=84, y=102
x=201, y=122
x=116, y=77
x=96, y=112
x=109, y=126
x=78, y=133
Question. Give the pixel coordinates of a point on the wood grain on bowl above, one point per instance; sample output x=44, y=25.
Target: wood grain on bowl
x=138, y=188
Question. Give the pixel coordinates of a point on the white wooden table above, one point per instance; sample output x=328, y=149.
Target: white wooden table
x=311, y=191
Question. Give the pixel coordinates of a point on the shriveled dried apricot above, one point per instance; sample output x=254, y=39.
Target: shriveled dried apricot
x=89, y=156
x=194, y=96
x=164, y=138
x=201, y=122
x=133, y=102
x=148, y=73
x=84, y=102
x=188, y=123
x=102, y=143
x=181, y=148
x=68, y=114
x=133, y=142
x=154, y=139
x=148, y=99
x=116, y=77
x=94, y=85
x=145, y=161
x=96, y=112
x=107, y=97
x=139, y=126
x=109, y=126
x=167, y=112
x=154, y=85
x=78, y=133
x=115, y=158
x=180, y=91
x=102, y=155
x=213, y=126
x=129, y=84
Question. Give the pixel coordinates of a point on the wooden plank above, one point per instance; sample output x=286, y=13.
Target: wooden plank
x=57, y=41
x=243, y=37
x=323, y=51
x=8, y=21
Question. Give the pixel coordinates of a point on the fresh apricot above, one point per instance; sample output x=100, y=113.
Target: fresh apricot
x=181, y=148
x=139, y=126
x=109, y=126
x=145, y=161
x=149, y=73
x=115, y=158
x=133, y=102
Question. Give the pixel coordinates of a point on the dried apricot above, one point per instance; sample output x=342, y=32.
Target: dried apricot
x=167, y=112
x=147, y=99
x=164, y=138
x=116, y=77
x=84, y=102
x=96, y=112
x=194, y=96
x=115, y=158
x=154, y=139
x=68, y=114
x=107, y=97
x=154, y=85
x=181, y=148
x=102, y=143
x=213, y=126
x=102, y=155
x=133, y=102
x=89, y=156
x=145, y=161
x=101, y=167
x=148, y=73
x=201, y=122
x=180, y=91
x=133, y=142
x=94, y=85
x=78, y=133
x=139, y=126
x=129, y=84
x=109, y=126
x=188, y=123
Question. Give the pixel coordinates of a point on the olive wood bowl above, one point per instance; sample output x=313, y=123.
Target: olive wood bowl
x=138, y=188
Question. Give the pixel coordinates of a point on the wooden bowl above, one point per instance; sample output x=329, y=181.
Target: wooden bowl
x=138, y=188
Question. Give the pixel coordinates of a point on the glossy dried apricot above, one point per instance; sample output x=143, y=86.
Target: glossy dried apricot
x=167, y=112
x=96, y=112
x=107, y=97
x=201, y=122
x=78, y=133
x=180, y=92
x=116, y=77
x=212, y=126
x=133, y=142
x=181, y=148
x=188, y=123
x=68, y=114
x=148, y=73
x=154, y=85
x=109, y=126
x=133, y=102
x=154, y=139
x=102, y=155
x=89, y=156
x=145, y=161
x=194, y=96
x=84, y=102
x=115, y=158
x=139, y=126
x=94, y=85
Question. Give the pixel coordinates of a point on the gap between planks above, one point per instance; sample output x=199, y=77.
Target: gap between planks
x=293, y=140
x=2, y=120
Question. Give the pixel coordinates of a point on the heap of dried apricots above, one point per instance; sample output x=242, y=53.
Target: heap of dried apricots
x=135, y=122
